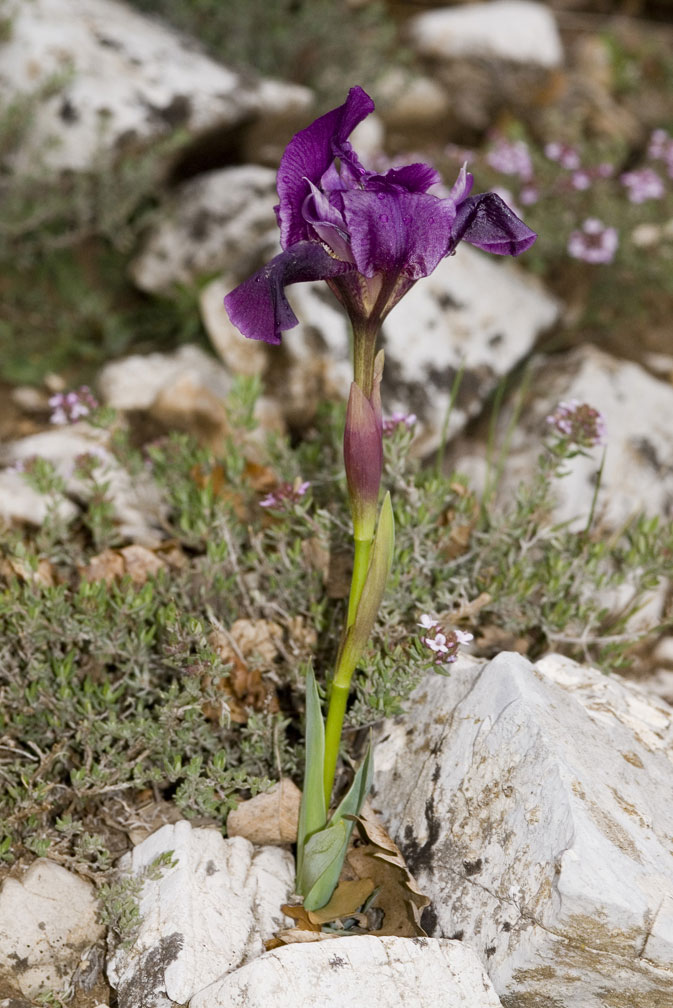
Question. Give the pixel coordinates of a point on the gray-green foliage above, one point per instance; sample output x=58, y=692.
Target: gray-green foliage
x=108, y=690
x=120, y=899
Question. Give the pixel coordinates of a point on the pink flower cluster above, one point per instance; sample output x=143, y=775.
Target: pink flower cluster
x=660, y=148
x=512, y=157
x=68, y=407
x=579, y=422
x=391, y=424
x=642, y=185
x=286, y=493
x=443, y=644
x=580, y=178
x=594, y=242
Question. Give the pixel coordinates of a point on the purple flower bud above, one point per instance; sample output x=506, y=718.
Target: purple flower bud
x=363, y=458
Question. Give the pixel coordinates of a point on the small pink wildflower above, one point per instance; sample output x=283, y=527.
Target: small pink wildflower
x=286, y=493
x=68, y=407
x=443, y=643
x=393, y=422
x=594, y=242
x=511, y=157
x=581, y=180
x=582, y=424
x=660, y=145
x=563, y=155
x=643, y=185
x=529, y=194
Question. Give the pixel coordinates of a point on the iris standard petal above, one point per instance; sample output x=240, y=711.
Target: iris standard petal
x=398, y=232
x=416, y=177
x=259, y=308
x=308, y=155
x=487, y=222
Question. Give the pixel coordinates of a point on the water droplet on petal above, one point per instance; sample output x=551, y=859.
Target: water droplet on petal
x=381, y=195
x=383, y=218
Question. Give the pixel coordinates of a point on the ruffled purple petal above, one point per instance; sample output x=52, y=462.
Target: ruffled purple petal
x=308, y=156
x=412, y=178
x=397, y=232
x=488, y=223
x=259, y=308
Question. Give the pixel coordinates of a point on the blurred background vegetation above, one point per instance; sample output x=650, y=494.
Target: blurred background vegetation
x=65, y=244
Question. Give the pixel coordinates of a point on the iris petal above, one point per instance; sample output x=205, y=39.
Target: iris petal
x=462, y=187
x=487, y=222
x=309, y=154
x=398, y=232
x=412, y=178
x=259, y=308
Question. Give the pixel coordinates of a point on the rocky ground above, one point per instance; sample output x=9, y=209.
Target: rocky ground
x=528, y=794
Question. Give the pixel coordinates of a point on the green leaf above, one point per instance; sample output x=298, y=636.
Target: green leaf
x=323, y=859
x=312, y=811
x=325, y=851
x=380, y=562
x=352, y=802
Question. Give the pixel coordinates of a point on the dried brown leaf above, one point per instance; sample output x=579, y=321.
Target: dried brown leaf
x=243, y=646
x=346, y=900
x=291, y=936
x=379, y=859
x=260, y=477
x=300, y=916
x=43, y=574
x=268, y=818
x=106, y=566
x=140, y=563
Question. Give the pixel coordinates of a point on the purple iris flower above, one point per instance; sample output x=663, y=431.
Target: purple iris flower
x=370, y=236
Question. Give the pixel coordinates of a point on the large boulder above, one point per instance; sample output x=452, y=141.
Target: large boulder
x=206, y=908
x=519, y=31
x=533, y=806
x=212, y=222
x=48, y=922
x=378, y=972
x=116, y=80
x=637, y=474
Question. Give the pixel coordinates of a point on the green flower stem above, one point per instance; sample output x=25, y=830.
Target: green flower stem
x=333, y=727
x=365, y=335
x=363, y=548
x=364, y=352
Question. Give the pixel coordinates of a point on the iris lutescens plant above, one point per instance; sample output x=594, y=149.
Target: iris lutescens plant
x=370, y=236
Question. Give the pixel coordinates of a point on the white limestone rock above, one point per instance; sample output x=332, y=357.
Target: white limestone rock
x=473, y=313
x=125, y=81
x=533, y=806
x=135, y=501
x=133, y=383
x=205, y=916
x=519, y=31
x=377, y=972
x=48, y=919
x=185, y=390
x=638, y=410
x=20, y=502
x=217, y=221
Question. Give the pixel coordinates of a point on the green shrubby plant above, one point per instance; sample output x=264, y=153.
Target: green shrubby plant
x=109, y=689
